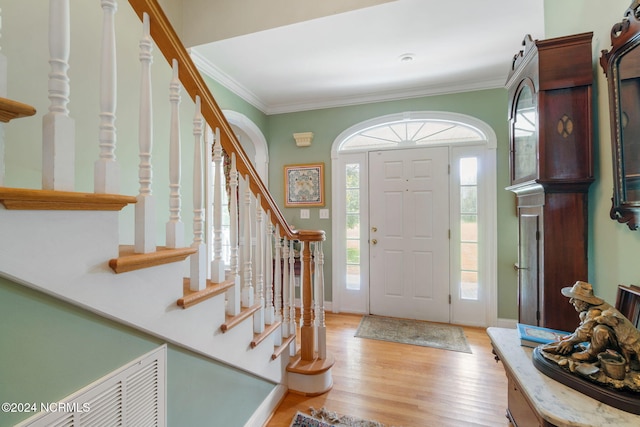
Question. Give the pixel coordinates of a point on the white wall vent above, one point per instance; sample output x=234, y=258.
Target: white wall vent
x=133, y=395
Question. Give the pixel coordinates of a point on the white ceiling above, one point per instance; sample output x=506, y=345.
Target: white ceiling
x=354, y=57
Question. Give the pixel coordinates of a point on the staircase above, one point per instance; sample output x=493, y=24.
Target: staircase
x=74, y=245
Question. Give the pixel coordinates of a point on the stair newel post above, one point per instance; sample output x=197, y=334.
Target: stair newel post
x=306, y=327
x=247, y=284
x=269, y=314
x=198, y=276
x=292, y=295
x=258, y=317
x=106, y=173
x=145, y=210
x=233, y=294
x=175, y=227
x=314, y=287
x=321, y=329
x=217, y=265
x=58, y=129
x=286, y=323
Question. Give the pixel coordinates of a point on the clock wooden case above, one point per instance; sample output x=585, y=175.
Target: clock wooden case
x=551, y=168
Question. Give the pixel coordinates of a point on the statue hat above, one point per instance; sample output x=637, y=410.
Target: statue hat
x=582, y=291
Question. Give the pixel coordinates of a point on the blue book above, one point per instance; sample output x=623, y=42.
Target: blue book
x=533, y=336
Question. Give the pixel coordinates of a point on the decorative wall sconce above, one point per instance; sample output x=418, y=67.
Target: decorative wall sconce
x=303, y=139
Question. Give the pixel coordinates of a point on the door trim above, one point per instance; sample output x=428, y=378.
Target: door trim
x=338, y=221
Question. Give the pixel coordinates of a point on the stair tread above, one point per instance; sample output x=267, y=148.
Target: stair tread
x=268, y=330
x=194, y=297
x=310, y=367
x=282, y=347
x=245, y=313
x=128, y=260
x=32, y=199
x=10, y=109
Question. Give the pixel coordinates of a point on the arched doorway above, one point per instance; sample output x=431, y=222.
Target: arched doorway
x=414, y=199
x=254, y=144
x=252, y=140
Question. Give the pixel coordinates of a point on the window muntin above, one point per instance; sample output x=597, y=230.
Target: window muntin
x=352, y=173
x=411, y=132
x=469, y=287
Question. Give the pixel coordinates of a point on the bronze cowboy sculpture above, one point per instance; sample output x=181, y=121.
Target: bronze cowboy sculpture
x=602, y=328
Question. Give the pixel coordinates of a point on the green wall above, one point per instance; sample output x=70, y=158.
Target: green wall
x=327, y=124
x=613, y=248
x=50, y=349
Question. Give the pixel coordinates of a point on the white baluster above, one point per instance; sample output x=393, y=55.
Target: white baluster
x=208, y=195
x=258, y=317
x=277, y=276
x=269, y=314
x=233, y=294
x=247, y=284
x=106, y=179
x=58, y=129
x=217, y=265
x=3, y=93
x=198, y=277
x=3, y=66
x=145, y=210
x=277, y=286
x=272, y=312
x=292, y=298
x=175, y=227
x=286, y=332
x=321, y=330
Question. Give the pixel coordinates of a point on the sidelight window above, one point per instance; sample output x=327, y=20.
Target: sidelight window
x=352, y=172
x=468, y=228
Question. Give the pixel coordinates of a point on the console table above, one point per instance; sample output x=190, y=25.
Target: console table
x=537, y=400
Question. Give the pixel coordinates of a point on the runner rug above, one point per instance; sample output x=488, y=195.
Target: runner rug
x=415, y=332
x=325, y=418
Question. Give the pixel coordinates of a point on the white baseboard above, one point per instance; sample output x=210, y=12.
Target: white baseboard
x=268, y=407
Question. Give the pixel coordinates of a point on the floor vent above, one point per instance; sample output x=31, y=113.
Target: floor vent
x=134, y=395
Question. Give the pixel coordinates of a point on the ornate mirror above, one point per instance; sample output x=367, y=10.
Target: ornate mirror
x=621, y=65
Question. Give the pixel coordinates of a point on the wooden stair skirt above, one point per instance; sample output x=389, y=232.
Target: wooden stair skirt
x=310, y=378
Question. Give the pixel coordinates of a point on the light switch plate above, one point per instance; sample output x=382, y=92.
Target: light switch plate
x=304, y=213
x=324, y=213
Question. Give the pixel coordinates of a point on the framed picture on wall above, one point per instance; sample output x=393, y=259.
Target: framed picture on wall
x=304, y=185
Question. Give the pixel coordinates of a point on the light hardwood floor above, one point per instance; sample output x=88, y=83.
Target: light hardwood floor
x=406, y=385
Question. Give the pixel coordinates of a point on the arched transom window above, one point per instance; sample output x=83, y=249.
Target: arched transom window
x=411, y=132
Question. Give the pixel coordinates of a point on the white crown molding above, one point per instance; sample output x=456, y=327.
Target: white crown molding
x=209, y=69
x=386, y=96
x=206, y=67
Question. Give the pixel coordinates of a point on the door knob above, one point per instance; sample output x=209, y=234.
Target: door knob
x=374, y=241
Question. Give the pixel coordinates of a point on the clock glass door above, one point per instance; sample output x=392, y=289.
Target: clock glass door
x=524, y=135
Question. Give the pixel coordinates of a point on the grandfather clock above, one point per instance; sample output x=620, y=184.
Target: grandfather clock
x=550, y=118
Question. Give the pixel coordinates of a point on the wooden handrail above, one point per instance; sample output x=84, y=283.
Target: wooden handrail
x=171, y=47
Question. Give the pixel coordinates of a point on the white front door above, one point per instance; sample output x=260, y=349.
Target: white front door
x=409, y=233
